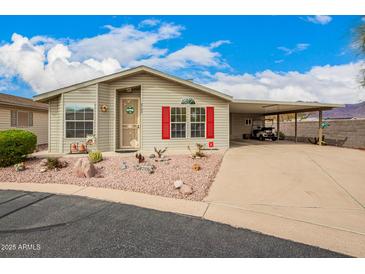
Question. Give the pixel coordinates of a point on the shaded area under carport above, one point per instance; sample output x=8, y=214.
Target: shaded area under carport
x=261, y=108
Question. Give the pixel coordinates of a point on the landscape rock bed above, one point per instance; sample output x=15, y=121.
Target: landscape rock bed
x=111, y=175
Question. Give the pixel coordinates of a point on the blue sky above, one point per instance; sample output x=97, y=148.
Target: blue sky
x=256, y=57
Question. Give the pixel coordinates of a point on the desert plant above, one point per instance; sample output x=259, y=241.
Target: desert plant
x=15, y=145
x=359, y=43
x=281, y=135
x=95, y=156
x=198, y=152
x=160, y=152
x=53, y=163
x=140, y=157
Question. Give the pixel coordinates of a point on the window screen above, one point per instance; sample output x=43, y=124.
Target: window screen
x=79, y=120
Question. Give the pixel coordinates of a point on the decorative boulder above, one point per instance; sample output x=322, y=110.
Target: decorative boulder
x=83, y=168
x=178, y=184
x=196, y=167
x=123, y=166
x=44, y=162
x=63, y=164
x=146, y=167
x=19, y=167
x=186, y=189
x=152, y=156
x=43, y=169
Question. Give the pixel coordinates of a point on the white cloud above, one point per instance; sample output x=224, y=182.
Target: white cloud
x=190, y=55
x=149, y=23
x=46, y=70
x=125, y=43
x=46, y=63
x=298, y=47
x=218, y=43
x=333, y=84
x=319, y=19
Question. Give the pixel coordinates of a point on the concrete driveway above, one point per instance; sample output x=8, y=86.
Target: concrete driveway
x=301, y=192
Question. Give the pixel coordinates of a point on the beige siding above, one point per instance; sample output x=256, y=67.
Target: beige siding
x=157, y=92
x=40, y=123
x=105, y=122
x=238, y=126
x=55, y=122
x=85, y=95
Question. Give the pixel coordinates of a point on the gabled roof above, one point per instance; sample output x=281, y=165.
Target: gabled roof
x=47, y=95
x=236, y=105
x=16, y=101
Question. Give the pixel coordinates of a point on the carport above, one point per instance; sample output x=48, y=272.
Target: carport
x=246, y=114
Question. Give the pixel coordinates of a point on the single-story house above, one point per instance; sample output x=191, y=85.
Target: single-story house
x=142, y=108
x=22, y=113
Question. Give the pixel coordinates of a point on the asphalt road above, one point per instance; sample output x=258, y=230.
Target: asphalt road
x=47, y=225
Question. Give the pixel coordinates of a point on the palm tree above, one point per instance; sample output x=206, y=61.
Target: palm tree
x=360, y=44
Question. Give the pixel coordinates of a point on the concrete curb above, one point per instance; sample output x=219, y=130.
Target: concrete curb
x=294, y=230
x=193, y=208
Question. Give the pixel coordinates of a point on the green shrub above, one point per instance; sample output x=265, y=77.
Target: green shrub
x=281, y=135
x=95, y=156
x=53, y=163
x=15, y=145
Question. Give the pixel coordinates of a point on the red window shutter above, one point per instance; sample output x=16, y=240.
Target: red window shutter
x=210, y=122
x=165, y=122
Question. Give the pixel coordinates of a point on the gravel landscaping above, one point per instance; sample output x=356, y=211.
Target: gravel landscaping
x=111, y=175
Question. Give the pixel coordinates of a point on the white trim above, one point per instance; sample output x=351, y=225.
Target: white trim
x=96, y=133
x=186, y=122
x=205, y=122
x=49, y=126
x=62, y=124
x=17, y=119
x=114, y=131
x=65, y=121
x=289, y=103
x=141, y=117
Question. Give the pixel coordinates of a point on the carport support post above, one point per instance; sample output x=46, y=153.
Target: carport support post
x=320, y=127
x=278, y=125
x=296, y=127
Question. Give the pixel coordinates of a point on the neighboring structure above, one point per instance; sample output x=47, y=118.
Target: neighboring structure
x=340, y=132
x=142, y=108
x=22, y=113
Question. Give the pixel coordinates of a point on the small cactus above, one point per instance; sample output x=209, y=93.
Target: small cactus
x=140, y=157
x=95, y=156
x=160, y=152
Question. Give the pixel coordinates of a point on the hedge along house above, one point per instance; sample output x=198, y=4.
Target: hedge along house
x=23, y=113
x=142, y=108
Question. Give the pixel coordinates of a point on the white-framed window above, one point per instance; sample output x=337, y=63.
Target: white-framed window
x=248, y=122
x=79, y=119
x=21, y=119
x=197, y=122
x=178, y=122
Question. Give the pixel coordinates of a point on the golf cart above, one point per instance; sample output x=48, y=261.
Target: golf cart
x=264, y=133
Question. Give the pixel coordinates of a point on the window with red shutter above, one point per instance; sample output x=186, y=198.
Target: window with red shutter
x=210, y=122
x=165, y=122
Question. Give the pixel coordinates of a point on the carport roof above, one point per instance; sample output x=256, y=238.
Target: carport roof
x=277, y=107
